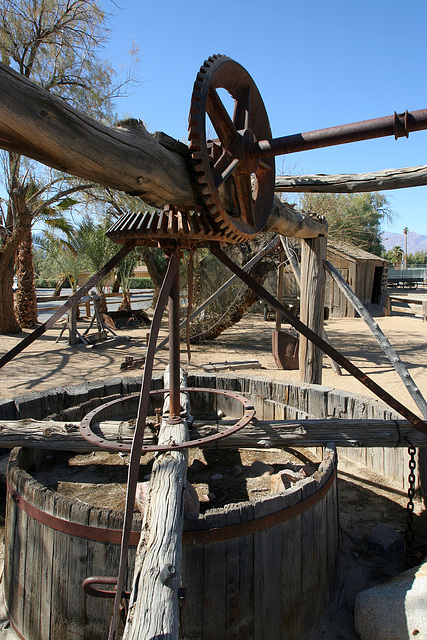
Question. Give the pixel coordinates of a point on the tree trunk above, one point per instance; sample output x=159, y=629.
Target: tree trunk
x=125, y=303
x=247, y=298
x=26, y=303
x=117, y=283
x=8, y=321
x=156, y=274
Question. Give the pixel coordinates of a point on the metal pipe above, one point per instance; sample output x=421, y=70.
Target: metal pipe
x=399, y=125
x=174, y=349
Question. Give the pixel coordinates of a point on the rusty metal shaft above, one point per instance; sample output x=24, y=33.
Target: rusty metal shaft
x=398, y=125
x=174, y=349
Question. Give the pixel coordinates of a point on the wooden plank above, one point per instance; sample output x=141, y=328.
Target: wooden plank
x=214, y=590
x=267, y=575
x=332, y=539
x=77, y=573
x=313, y=578
x=291, y=574
x=192, y=577
x=233, y=584
x=246, y=576
x=33, y=569
x=48, y=584
x=98, y=610
x=60, y=570
x=19, y=569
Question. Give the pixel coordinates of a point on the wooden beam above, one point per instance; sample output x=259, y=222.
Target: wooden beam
x=44, y=127
x=287, y=221
x=313, y=252
x=157, y=168
x=354, y=183
x=65, y=436
x=290, y=254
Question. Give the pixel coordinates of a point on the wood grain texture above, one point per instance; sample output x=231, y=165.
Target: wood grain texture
x=313, y=252
x=153, y=606
x=43, y=127
x=354, y=183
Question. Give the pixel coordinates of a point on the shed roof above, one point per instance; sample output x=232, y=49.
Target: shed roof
x=351, y=251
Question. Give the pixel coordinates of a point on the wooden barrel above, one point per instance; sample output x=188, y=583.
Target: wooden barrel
x=251, y=570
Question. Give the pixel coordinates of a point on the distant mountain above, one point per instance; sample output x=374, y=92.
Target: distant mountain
x=416, y=241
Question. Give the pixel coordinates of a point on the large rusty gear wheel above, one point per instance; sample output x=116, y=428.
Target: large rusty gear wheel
x=238, y=190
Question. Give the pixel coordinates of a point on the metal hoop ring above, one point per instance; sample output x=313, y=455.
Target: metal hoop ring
x=90, y=418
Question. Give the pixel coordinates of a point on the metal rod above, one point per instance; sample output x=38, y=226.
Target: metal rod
x=399, y=125
x=138, y=437
x=174, y=347
x=319, y=342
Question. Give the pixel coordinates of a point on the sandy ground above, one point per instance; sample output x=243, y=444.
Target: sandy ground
x=365, y=499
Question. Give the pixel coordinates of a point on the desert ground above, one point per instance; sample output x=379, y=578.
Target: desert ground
x=365, y=499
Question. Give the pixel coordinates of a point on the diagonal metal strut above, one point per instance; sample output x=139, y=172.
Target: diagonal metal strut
x=319, y=342
x=71, y=302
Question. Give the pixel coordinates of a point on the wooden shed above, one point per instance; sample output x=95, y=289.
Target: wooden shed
x=365, y=272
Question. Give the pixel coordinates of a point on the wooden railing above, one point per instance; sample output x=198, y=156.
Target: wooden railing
x=399, y=299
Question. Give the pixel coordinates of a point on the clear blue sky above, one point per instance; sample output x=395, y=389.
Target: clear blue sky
x=316, y=64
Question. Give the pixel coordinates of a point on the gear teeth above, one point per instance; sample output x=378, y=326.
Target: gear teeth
x=227, y=226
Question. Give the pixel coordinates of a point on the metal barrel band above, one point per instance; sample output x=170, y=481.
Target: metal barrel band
x=220, y=534
x=114, y=536
x=87, y=532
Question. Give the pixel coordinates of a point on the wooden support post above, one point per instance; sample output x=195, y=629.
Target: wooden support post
x=280, y=288
x=72, y=325
x=313, y=252
x=424, y=311
x=290, y=254
x=153, y=607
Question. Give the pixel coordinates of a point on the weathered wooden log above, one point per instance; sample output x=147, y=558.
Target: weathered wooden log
x=287, y=221
x=63, y=436
x=44, y=127
x=354, y=183
x=153, y=607
x=380, y=338
x=313, y=252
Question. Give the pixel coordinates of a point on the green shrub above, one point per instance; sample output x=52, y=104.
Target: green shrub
x=45, y=284
x=141, y=283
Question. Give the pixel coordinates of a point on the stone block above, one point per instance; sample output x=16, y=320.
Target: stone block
x=394, y=610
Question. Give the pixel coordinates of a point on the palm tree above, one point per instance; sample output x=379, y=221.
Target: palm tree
x=406, y=231
x=396, y=255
